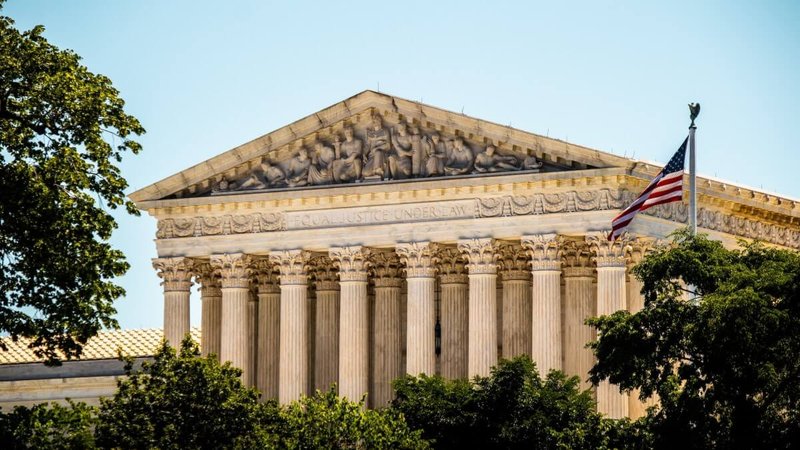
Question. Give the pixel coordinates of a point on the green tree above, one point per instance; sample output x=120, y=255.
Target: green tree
x=46, y=426
x=326, y=420
x=726, y=363
x=512, y=408
x=62, y=131
x=180, y=400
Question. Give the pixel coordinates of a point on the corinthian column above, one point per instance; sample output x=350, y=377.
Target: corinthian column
x=419, y=261
x=543, y=249
x=639, y=247
x=482, y=268
x=293, y=360
x=235, y=271
x=211, y=308
x=177, y=275
x=386, y=359
x=516, y=277
x=269, y=310
x=455, y=317
x=610, y=257
x=326, y=336
x=579, y=305
x=353, y=321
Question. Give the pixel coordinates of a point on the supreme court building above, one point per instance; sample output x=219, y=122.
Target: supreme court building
x=381, y=236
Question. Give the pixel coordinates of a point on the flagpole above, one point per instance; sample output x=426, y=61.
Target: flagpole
x=694, y=110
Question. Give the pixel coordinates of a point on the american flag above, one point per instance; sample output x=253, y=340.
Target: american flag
x=666, y=187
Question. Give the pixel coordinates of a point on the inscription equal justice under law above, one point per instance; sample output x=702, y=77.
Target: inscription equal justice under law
x=380, y=215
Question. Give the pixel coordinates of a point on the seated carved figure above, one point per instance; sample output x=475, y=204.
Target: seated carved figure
x=297, y=171
x=320, y=171
x=378, y=145
x=490, y=161
x=531, y=163
x=461, y=160
x=403, y=152
x=266, y=176
x=437, y=154
x=348, y=164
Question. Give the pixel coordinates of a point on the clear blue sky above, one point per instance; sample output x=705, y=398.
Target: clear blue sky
x=204, y=77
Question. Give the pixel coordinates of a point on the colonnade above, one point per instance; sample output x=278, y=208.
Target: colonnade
x=256, y=311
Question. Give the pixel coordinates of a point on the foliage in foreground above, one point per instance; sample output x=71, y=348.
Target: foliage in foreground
x=46, y=426
x=726, y=365
x=63, y=129
x=512, y=408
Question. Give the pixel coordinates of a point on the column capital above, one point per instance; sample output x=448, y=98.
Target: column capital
x=576, y=258
x=352, y=262
x=386, y=269
x=419, y=258
x=176, y=273
x=514, y=263
x=544, y=251
x=641, y=247
x=292, y=266
x=480, y=254
x=266, y=276
x=233, y=268
x=608, y=253
x=452, y=269
x=323, y=272
x=210, y=284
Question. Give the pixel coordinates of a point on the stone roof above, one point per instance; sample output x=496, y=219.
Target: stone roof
x=135, y=343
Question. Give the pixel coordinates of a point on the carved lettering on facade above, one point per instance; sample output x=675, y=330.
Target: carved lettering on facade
x=368, y=216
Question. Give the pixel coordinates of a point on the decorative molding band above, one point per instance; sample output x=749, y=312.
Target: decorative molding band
x=220, y=225
x=484, y=207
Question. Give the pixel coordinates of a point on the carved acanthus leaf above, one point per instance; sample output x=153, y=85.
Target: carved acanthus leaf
x=514, y=262
x=452, y=266
x=292, y=265
x=209, y=279
x=352, y=262
x=176, y=273
x=234, y=269
x=608, y=253
x=419, y=258
x=543, y=250
x=386, y=269
x=324, y=273
x=266, y=276
x=481, y=255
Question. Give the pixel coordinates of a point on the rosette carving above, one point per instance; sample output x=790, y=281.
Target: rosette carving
x=452, y=268
x=544, y=251
x=480, y=254
x=419, y=258
x=514, y=262
x=176, y=273
x=234, y=269
x=352, y=262
x=292, y=265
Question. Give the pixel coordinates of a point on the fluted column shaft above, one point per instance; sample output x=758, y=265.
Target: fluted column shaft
x=269, y=334
x=353, y=321
x=177, y=275
x=210, y=316
x=387, y=345
x=516, y=314
x=579, y=305
x=419, y=259
x=326, y=361
x=235, y=273
x=546, y=350
x=293, y=359
x=252, y=338
x=455, y=318
x=482, y=269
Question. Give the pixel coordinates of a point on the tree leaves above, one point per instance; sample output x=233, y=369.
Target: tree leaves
x=62, y=129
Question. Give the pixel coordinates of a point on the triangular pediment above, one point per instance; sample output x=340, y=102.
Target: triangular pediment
x=433, y=143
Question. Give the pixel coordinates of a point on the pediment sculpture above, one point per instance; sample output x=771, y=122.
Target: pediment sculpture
x=381, y=153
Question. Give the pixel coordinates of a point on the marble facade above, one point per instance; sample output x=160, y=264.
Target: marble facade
x=415, y=240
